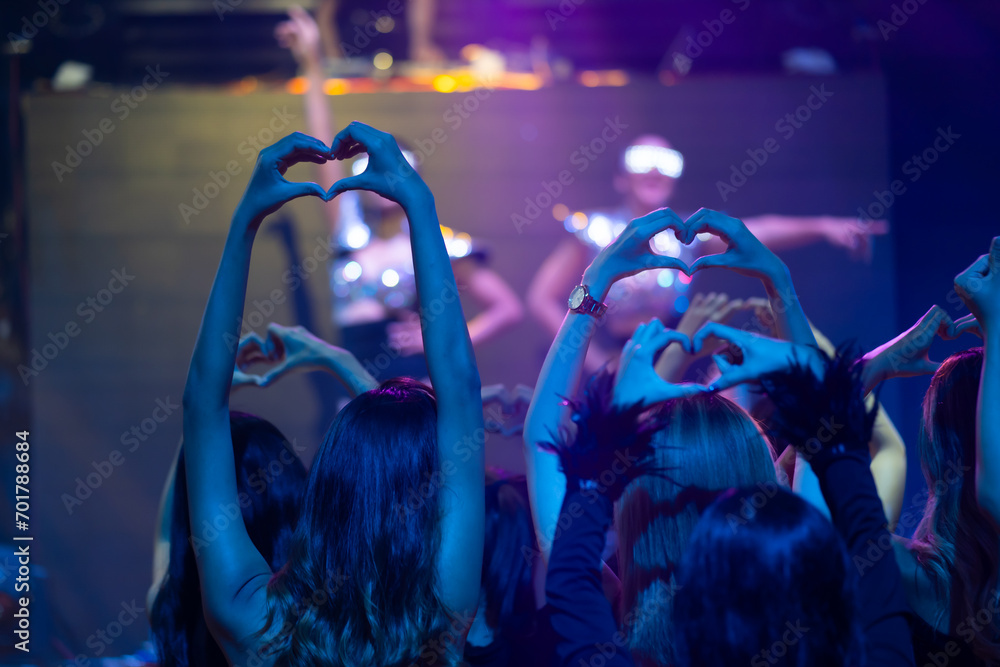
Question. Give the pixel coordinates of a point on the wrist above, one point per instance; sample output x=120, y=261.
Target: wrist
x=416, y=199
x=597, y=282
x=244, y=224
x=873, y=371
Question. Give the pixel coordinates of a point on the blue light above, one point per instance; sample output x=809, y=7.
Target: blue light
x=681, y=304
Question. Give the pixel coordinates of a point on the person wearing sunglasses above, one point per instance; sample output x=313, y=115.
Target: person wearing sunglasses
x=648, y=170
x=374, y=295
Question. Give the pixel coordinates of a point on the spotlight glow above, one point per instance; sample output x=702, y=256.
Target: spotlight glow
x=390, y=278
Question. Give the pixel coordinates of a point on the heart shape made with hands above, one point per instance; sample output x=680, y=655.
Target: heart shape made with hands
x=505, y=409
x=702, y=226
x=253, y=350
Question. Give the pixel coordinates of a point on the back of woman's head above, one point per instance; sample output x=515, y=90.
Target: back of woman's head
x=956, y=542
x=707, y=445
x=765, y=579
x=508, y=557
x=270, y=480
x=359, y=587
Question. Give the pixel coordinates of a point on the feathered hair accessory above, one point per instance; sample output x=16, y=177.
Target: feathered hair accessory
x=612, y=446
x=824, y=419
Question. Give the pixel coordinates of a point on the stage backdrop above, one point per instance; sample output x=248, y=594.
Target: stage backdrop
x=130, y=201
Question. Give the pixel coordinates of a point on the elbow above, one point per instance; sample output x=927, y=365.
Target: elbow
x=513, y=312
x=539, y=303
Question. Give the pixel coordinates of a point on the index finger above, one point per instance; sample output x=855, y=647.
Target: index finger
x=660, y=219
x=299, y=142
x=346, y=143
x=707, y=220
x=980, y=267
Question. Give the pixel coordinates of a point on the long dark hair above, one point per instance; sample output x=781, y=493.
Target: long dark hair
x=765, y=580
x=956, y=542
x=360, y=584
x=508, y=557
x=270, y=479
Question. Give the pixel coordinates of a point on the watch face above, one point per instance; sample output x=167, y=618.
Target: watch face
x=576, y=297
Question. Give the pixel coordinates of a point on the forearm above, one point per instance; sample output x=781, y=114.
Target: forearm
x=491, y=323
x=546, y=308
x=988, y=427
x=790, y=319
x=349, y=371
x=326, y=15
x=673, y=363
x=559, y=379
x=451, y=361
x=211, y=371
x=779, y=232
x=502, y=306
x=421, y=21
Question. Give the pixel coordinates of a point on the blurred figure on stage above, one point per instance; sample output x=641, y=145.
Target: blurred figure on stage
x=647, y=174
x=371, y=273
x=419, y=17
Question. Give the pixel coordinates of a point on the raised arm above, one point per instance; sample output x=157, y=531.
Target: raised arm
x=451, y=363
x=227, y=559
x=979, y=287
x=610, y=428
x=784, y=232
x=301, y=35
x=559, y=379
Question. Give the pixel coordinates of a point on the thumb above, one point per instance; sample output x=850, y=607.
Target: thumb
x=272, y=375
x=306, y=189
x=359, y=182
x=928, y=367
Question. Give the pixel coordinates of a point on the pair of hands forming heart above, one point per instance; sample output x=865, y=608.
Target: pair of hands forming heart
x=287, y=349
x=637, y=382
x=387, y=174
x=631, y=252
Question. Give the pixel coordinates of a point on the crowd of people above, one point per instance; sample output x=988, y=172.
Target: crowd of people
x=667, y=516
